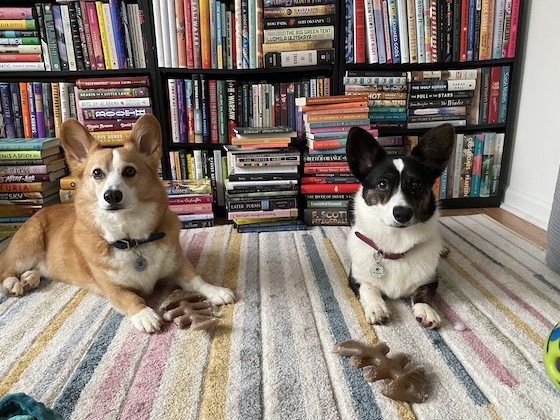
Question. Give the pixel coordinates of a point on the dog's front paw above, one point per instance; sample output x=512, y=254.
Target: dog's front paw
x=147, y=320
x=219, y=295
x=377, y=313
x=13, y=286
x=30, y=279
x=426, y=315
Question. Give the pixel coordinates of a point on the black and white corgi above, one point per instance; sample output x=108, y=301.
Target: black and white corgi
x=395, y=242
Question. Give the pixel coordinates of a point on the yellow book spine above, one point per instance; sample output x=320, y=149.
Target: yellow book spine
x=103, y=34
x=483, y=41
x=18, y=25
x=110, y=138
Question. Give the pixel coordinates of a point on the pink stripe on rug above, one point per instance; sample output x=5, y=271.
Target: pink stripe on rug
x=531, y=310
x=196, y=246
x=148, y=378
x=107, y=392
x=484, y=353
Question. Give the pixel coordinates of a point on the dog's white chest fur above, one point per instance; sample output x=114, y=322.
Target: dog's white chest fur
x=159, y=264
x=421, y=245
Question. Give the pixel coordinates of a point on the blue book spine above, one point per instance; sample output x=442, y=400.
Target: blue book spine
x=349, y=32
x=470, y=30
x=205, y=108
x=197, y=108
x=477, y=164
x=252, y=11
x=181, y=110
x=219, y=40
x=245, y=33
x=7, y=113
x=378, y=19
x=118, y=33
x=394, y=30
x=443, y=183
x=504, y=94
x=59, y=29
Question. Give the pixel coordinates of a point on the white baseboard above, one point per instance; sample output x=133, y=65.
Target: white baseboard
x=527, y=207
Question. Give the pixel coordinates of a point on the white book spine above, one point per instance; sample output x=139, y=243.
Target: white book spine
x=173, y=110
x=68, y=37
x=371, y=37
x=172, y=35
x=403, y=31
x=498, y=32
x=158, y=33
x=115, y=102
x=421, y=46
x=166, y=35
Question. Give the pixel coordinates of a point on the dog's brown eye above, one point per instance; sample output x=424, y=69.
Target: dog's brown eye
x=382, y=185
x=129, y=171
x=98, y=174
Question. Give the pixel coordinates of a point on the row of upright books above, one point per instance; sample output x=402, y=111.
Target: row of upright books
x=204, y=110
x=243, y=34
x=73, y=36
x=430, y=31
x=107, y=107
x=30, y=170
x=424, y=99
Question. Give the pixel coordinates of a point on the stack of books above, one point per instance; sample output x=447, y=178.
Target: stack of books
x=191, y=200
x=30, y=170
x=386, y=93
x=109, y=107
x=20, y=47
x=298, y=35
x=262, y=181
x=327, y=183
x=438, y=97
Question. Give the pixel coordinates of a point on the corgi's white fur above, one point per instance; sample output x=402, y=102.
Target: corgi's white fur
x=119, y=196
x=396, y=209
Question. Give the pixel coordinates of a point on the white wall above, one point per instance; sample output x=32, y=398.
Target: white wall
x=536, y=153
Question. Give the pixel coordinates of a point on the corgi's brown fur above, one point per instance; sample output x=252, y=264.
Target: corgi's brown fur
x=119, y=196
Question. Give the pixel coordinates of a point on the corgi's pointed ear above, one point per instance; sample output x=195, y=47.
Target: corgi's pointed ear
x=77, y=143
x=146, y=137
x=435, y=147
x=362, y=151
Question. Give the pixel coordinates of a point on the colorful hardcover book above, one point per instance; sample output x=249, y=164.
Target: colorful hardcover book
x=487, y=163
x=497, y=166
x=6, y=111
x=112, y=82
x=118, y=33
x=115, y=113
x=97, y=45
x=494, y=95
x=477, y=164
x=504, y=94
x=39, y=117
x=16, y=13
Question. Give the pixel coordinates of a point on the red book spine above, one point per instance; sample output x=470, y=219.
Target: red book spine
x=20, y=58
x=95, y=36
x=514, y=22
x=464, y=30
x=329, y=188
x=494, y=97
x=213, y=107
x=359, y=29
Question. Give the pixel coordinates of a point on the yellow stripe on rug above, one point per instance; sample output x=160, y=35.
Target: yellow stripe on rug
x=213, y=404
x=38, y=345
x=403, y=409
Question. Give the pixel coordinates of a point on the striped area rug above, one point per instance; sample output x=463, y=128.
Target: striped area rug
x=271, y=358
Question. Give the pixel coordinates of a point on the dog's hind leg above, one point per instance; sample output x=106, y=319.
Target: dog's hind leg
x=421, y=306
x=19, y=263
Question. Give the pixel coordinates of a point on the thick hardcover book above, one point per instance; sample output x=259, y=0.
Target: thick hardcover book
x=16, y=109
x=7, y=111
x=258, y=214
x=28, y=144
x=296, y=22
x=277, y=226
x=504, y=94
x=118, y=33
x=253, y=205
x=114, y=103
x=314, y=217
x=112, y=82
x=297, y=46
x=16, y=13
x=443, y=85
x=317, y=10
x=299, y=58
x=26, y=187
x=97, y=46
x=115, y=113
x=494, y=95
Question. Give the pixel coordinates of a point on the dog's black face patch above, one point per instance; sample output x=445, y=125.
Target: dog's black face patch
x=401, y=185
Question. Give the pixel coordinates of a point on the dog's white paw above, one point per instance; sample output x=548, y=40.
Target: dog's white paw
x=30, y=279
x=147, y=320
x=217, y=295
x=377, y=313
x=13, y=286
x=426, y=315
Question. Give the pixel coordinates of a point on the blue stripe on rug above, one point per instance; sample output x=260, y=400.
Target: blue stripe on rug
x=21, y=303
x=66, y=401
x=536, y=275
x=363, y=399
x=250, y=394
x=454, y=364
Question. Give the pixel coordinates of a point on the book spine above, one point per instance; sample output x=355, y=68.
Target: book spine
x=101, y=24
x=299, y=58
x=181, y=110
x=113, y=82
x=231, y=91
x=114, y=102
x=115, y=113
x=494, y=95
x=16, y=109
x=196, y=34
x=504, y=94
x=105, y=93
x=173, y=110
x=487, y=163
x=403, y=31
x=497, y=166
x=412, y=31
x=189, y=111
x=68, y=41
x=197, y=108
x=394, y=31
x=222, y=112
x=16, y=13
x=110, y=36
x=59, y=29
x=498, y=31
x=97, y=48
x=181, y=33
x=38, y=11
x=127, y=35
x=513, y=28
x=205, y=43
x=477, y=164
x=205, y=108
x=118, y=34
x=109, y=125
x=506, y=28
x=172, y=34
x=189, y=46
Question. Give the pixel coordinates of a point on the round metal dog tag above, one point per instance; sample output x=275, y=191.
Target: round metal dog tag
x=141, y=263
x=377, y=270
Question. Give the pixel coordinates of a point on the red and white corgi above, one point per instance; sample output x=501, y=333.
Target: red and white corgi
x=118, y=237
x=395, y=242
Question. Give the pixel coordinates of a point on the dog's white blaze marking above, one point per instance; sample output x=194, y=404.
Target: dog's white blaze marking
x=399, y=164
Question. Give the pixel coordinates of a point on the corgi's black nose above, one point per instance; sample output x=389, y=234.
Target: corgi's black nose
x=113, y=196
x=402, y=214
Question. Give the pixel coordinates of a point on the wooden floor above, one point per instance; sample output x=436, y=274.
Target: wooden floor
x=514, y=223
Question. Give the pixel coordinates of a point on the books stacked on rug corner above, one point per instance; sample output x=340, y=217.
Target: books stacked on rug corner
x=109, y=107
x=30, y=170
x=262, y=187
x=20, y=44
x=327, y=182
x=191, y=200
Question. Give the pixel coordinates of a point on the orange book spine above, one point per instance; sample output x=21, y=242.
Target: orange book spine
x=26, y=116
x=328, y=107
x=205, y=48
